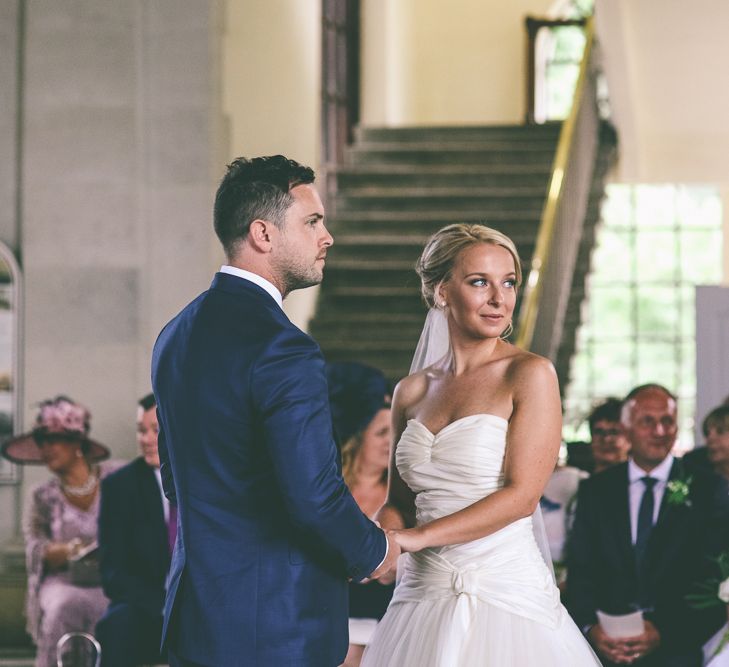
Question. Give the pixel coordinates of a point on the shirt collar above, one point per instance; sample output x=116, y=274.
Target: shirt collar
x=256, y=279
x=661, y=472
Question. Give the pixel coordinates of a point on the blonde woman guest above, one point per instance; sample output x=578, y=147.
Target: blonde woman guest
x=360, y=404
x=477, y=427
x=60, y=520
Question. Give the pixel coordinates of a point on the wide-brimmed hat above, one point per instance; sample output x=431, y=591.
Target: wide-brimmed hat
x=356, y=394
x=57, y=417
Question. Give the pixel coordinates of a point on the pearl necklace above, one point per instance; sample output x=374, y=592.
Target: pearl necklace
x=82, y=489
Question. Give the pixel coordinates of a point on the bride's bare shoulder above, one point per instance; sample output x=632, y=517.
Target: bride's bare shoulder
x=412, y=389
x=529, y=371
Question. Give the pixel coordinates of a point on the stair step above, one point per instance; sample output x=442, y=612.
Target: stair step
x=412, y=192
x=421, y=154
x=463, y=132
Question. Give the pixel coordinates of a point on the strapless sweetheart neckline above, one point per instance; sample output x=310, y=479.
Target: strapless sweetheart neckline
x=504, y=422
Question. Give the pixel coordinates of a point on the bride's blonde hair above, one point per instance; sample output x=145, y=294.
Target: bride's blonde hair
x=439, y=255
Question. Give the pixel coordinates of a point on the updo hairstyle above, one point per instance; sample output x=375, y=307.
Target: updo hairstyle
x=442, y=249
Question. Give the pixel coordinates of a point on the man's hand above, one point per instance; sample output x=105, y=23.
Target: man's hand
x=644, y=643
x=386, y=572
x=608, y=647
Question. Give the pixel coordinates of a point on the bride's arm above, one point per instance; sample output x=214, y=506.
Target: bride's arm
x=399, y=508
x=532, y=447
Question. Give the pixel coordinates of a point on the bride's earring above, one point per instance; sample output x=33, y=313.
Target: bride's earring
x=507, y=332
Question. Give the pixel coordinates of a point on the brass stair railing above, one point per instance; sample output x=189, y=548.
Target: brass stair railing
x=547, y=287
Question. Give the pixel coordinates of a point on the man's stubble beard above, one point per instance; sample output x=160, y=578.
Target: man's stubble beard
x=294, y=276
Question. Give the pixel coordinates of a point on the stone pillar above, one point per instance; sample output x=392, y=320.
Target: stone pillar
x=121, y=145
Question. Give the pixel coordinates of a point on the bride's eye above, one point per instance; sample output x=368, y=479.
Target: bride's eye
x=510, y=283
x=479, y=282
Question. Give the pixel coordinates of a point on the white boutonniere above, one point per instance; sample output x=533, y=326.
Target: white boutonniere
x=678, y=491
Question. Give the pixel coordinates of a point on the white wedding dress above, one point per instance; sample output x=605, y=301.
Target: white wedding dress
x=488, y=602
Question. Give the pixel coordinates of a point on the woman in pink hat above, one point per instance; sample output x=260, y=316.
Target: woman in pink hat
x=60, y=524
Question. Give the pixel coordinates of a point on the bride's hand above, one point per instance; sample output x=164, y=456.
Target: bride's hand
x=410, y=539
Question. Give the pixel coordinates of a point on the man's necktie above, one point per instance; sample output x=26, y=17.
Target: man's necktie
x=645, y=520
x=172, y=527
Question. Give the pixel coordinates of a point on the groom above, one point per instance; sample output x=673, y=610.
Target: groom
x=268, y=534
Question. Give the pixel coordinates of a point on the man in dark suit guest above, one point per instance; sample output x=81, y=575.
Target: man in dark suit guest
x=643, y=535
x=136, y=533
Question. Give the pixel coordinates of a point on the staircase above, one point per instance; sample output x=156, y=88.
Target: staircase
x=401, y=185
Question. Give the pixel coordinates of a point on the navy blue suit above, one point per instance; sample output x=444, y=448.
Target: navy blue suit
x=134, y=560
x=267, y=531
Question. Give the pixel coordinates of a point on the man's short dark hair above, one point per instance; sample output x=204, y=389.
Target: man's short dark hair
x=256, y=189
x=147, y=402
x=608, y=410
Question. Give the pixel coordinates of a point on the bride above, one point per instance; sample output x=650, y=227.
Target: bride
x=477, y=427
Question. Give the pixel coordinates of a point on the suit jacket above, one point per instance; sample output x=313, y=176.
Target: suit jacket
x=267, y=531
x=134, y=554
x=601, y=569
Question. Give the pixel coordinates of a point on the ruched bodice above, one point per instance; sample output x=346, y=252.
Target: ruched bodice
x=452, y=469
x=459, y=604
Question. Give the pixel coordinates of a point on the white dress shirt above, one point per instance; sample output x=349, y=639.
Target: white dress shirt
x=256, y=279
x=165, y=502
x=636, y=489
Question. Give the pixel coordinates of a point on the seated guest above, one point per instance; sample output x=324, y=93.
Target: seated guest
x=136, y=535
x=59, y=523
x=607, y=440
x=644, y=532
x=712, y=456
x=716, y=432
x=361, y=413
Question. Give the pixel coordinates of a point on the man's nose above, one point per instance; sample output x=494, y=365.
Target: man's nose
x=328, y=239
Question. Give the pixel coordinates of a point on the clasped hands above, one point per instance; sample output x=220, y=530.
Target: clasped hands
x=398, y=541
x=625, y=650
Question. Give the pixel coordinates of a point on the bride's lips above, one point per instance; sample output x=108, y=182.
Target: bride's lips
x=493, y=318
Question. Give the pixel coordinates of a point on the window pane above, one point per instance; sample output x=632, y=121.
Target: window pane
x=688, y=312
x=612, y=369
x=657, y=363
x=701, y=256
x=654, y=206
x=658, y=312
x=612, y=260
x=657, y=256
x=611, y=312
x=699, y=207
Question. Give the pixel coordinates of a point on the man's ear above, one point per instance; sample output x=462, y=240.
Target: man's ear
x=260, y=235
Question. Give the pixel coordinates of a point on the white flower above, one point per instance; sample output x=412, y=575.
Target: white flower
x=724, y=591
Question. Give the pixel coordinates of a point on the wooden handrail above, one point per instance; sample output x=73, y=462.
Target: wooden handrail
x=533, y=26
x=534, y=284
